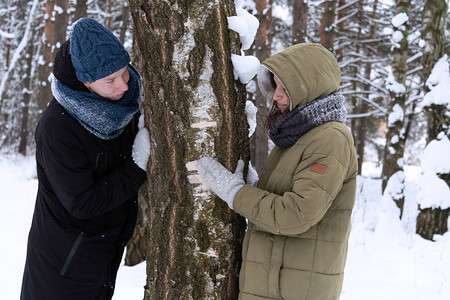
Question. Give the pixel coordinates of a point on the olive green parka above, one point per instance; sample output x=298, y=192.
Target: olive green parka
x=299, y=213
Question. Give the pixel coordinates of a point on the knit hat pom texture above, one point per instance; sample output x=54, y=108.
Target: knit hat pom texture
x=95, y=51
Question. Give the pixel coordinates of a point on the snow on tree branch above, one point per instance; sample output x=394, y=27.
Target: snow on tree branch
x=17, y=54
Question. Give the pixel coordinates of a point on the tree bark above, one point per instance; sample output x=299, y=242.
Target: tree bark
x=137, y=246
x=54, y=35
x=358, y=129
x=434, y=20
x=299, y=21
x=326, y=25
x=341, y=27
x=259, y=147
x=361, y=130
x=26, y=100
x=395, y=138
x=125, y=21
x=434, y=221
x=80, y=10
x=192, y=107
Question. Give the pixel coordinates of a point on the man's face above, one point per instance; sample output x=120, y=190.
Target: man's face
x=112, y=87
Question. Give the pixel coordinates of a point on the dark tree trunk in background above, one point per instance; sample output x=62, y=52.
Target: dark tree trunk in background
x=434, y=221
x=193, y=107
x=53, y=36
x=80, y=10
x=24, y=132
x=357, y=128
x=362, y=106
x=259, y=147
x=137, y=246
x=299, y=21
x=341, y=26
x=125, y=21
x=327, y=31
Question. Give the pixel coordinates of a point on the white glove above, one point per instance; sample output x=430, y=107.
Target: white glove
x=221, y=181
x=141, y=148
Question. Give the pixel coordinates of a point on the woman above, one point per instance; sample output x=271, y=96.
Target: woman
x=299, y=213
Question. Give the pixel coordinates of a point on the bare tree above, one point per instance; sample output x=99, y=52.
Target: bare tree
x=192, y=107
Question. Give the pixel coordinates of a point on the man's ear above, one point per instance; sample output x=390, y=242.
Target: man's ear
x=86, y=83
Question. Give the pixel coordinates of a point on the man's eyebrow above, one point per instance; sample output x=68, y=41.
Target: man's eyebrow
x=115, y=76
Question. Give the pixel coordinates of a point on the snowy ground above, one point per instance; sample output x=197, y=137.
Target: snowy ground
x=386, y=260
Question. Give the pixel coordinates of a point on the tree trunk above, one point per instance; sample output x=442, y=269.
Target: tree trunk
x=358, y=129
x=434, y=221
x=193, y=107
x=80, y=10
x=125, y=21
x=326, y=25
x=361, y=130
x=109, y=17
x=61, y=20
x=8, y=44
x=299, y=21
x=259, y=147
x=26, y=100
x=54, y=35
x=395, y=138
x=434, y=21
x=341, y=27
x=137, y=246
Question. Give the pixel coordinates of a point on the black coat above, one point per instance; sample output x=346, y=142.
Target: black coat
x=85, y=211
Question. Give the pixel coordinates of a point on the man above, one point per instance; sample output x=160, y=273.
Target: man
x=88, y=172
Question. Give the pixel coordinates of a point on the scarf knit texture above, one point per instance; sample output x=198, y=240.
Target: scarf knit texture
x=104, y=118
x=286, y=129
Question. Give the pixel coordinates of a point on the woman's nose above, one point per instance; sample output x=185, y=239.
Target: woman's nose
x=276, y=95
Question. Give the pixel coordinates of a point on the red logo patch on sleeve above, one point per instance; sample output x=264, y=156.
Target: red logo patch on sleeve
x=318, y=168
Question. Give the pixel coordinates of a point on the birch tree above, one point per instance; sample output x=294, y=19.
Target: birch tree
x=192, y=107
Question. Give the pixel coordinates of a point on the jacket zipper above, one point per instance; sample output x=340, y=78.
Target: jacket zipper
x=72, y=253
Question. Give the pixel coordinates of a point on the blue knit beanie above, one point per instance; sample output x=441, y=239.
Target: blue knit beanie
x=95, y=51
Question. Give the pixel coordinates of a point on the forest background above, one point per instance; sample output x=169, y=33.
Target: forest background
x=395, y=77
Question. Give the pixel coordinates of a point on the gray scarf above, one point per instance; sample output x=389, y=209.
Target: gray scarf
x=285, y=130
x=104, y=118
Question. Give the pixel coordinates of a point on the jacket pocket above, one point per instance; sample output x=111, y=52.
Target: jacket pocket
x=72, y=253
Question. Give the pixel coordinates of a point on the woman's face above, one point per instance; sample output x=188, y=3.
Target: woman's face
x=280, y=96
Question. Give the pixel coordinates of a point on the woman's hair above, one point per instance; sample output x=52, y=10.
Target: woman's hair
x=274, y=112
